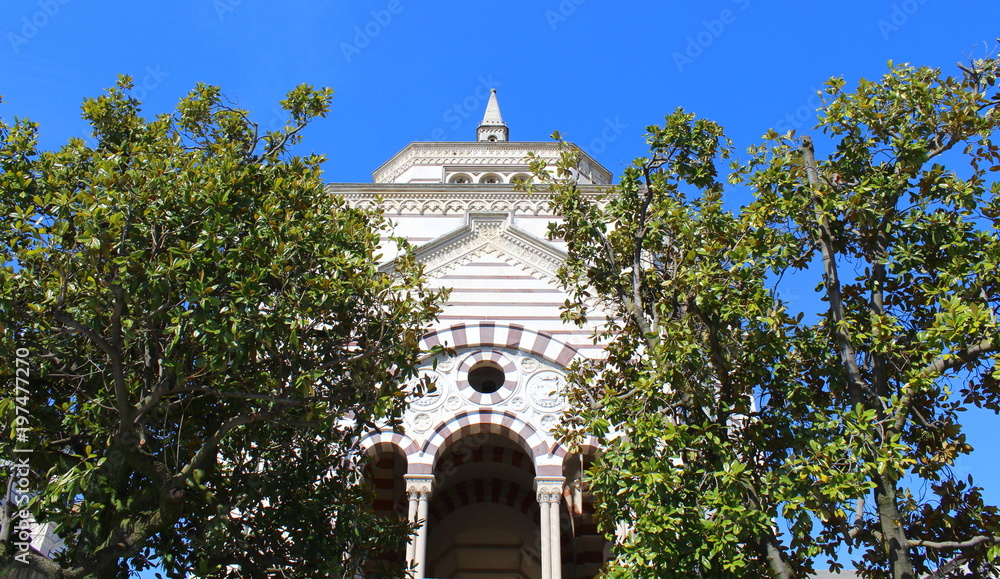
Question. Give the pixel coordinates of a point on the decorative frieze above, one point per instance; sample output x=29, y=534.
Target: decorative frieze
x=475, y=155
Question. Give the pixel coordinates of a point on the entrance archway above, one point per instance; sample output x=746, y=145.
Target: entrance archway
x=384, y=471
x=484, y=517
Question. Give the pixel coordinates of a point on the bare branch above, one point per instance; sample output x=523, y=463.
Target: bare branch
x=213, y=441
x=955, y=544
x=89, y=333
x=938, y=367
x=832, y=282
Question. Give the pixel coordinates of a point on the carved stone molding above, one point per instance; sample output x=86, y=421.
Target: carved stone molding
x=419, y=485
x=429, y=399
x=437, y=199
x=549, y=489
x=481, y=155
x=440, y=205
x=490, y=234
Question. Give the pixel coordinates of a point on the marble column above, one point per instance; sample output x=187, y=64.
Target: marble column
x=418, y=488
x=549, y=491
x=546, y=547
x=411, y=516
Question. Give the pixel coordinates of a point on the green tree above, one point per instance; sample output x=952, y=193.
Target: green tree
x=725, y=417
x=692, y=334
x=209, y=336
x=909, y=248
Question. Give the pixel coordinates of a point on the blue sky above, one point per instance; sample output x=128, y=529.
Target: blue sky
x=597, y=71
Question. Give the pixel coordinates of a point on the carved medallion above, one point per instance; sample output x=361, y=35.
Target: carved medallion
x=453, y=403
x=421, y=422
x=545, y=389
x=432, y=395
x=529, y=365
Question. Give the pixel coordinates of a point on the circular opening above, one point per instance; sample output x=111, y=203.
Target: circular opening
x=491, y=179
x=486, y=377
x=460, y=179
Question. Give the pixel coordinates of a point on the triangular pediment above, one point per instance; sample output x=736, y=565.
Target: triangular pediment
x=490, y=234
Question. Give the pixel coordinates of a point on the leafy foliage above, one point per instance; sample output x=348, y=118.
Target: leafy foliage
x=725, y=416
x=210, y=335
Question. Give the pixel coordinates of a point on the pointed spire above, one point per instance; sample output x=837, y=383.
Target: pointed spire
x=492, y=128
x=492, y=116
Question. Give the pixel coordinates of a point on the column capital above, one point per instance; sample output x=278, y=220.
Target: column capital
x=549, y=488
x=419, y=484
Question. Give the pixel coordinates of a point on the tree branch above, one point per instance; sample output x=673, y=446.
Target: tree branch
x=937, y=367
x=832, y=282
x=955, y=544
x=89, y=333
x=203, y=453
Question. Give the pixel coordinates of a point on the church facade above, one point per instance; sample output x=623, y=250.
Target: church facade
x=496, y=496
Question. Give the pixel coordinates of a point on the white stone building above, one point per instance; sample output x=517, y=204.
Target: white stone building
x=498, y=496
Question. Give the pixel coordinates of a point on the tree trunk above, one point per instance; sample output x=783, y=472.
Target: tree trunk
x=775, y=558
x=893, y=533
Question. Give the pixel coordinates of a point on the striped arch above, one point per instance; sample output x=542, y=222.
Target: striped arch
x=459, y=455
x=500, y=335
x=388, y=441
x=589, y=446
x=496, y=422
x=477, y=491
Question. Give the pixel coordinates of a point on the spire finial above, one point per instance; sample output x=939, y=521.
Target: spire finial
x=492, y=128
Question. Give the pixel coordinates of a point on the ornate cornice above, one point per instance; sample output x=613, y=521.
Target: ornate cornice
x=487, y=154
x=396, y=199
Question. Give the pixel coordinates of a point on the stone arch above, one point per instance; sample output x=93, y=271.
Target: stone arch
x=586, y=547
x=498, y=422
x=501, y=492
x=385, y=464
x=388, y=441
x=589, y=447
x=500, y=335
